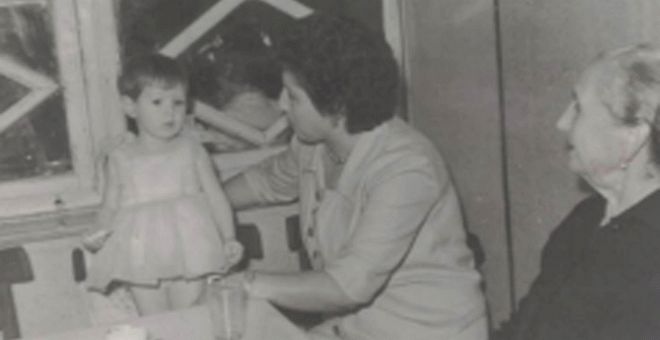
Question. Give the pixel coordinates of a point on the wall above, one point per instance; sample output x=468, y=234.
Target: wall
x=453, y=99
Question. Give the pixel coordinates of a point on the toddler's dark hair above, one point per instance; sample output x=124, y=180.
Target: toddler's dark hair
x=145, y=70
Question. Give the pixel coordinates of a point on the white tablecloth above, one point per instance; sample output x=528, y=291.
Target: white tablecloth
x=263, y=322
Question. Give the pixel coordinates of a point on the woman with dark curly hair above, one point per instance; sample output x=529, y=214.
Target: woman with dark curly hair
x=380, y=217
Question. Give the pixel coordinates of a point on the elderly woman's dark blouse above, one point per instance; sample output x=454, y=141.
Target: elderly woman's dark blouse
x=596, y=282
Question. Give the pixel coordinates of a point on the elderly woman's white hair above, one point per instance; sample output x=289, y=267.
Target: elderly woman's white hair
x=628, y=84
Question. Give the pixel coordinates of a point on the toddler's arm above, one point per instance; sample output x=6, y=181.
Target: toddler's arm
x=111, y=192
x=220, y=207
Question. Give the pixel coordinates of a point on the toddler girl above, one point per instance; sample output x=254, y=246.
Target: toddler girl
x=165, y=222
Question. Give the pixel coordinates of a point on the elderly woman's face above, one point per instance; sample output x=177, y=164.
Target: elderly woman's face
x=598, y=145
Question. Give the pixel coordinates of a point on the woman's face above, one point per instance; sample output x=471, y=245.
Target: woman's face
x=308, y=123
x=598, y=144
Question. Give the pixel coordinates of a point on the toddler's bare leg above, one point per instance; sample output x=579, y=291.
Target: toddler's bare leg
x=183, y=293
x=149, y=299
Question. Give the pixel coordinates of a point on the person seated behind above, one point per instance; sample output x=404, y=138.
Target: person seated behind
x=242, y=78
x=600, y=269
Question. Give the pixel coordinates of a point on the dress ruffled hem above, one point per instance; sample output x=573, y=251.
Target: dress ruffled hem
x=166, y=239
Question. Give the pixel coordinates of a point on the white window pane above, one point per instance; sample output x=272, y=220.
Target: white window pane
x=33, y=131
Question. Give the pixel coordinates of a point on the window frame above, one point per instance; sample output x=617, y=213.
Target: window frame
x=85, y=38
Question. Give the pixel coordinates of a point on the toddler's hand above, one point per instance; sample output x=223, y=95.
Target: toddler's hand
x=95, y=241
x=233, y=251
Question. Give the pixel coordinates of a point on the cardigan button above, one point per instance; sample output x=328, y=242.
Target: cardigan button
x=316, y=254
x=310, y=232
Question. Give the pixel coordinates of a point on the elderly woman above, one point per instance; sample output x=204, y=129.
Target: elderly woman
x=380, y=217
x=600, y=270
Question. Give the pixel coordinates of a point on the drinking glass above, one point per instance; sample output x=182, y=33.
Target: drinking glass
x=227, y=302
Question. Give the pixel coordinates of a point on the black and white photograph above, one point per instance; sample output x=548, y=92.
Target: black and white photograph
x=329, y=169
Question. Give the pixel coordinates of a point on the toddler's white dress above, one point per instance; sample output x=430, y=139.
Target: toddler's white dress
x=164, y=228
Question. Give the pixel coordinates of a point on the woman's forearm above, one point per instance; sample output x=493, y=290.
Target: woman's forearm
x=239, y=194
x=310, y=291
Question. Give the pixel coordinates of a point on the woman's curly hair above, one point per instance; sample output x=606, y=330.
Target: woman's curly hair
x=345, y=68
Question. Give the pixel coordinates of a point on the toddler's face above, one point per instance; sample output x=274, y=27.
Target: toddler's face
x=159, y=111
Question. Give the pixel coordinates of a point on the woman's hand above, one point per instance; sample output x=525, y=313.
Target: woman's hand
x=95, y=241
x=233, y=251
